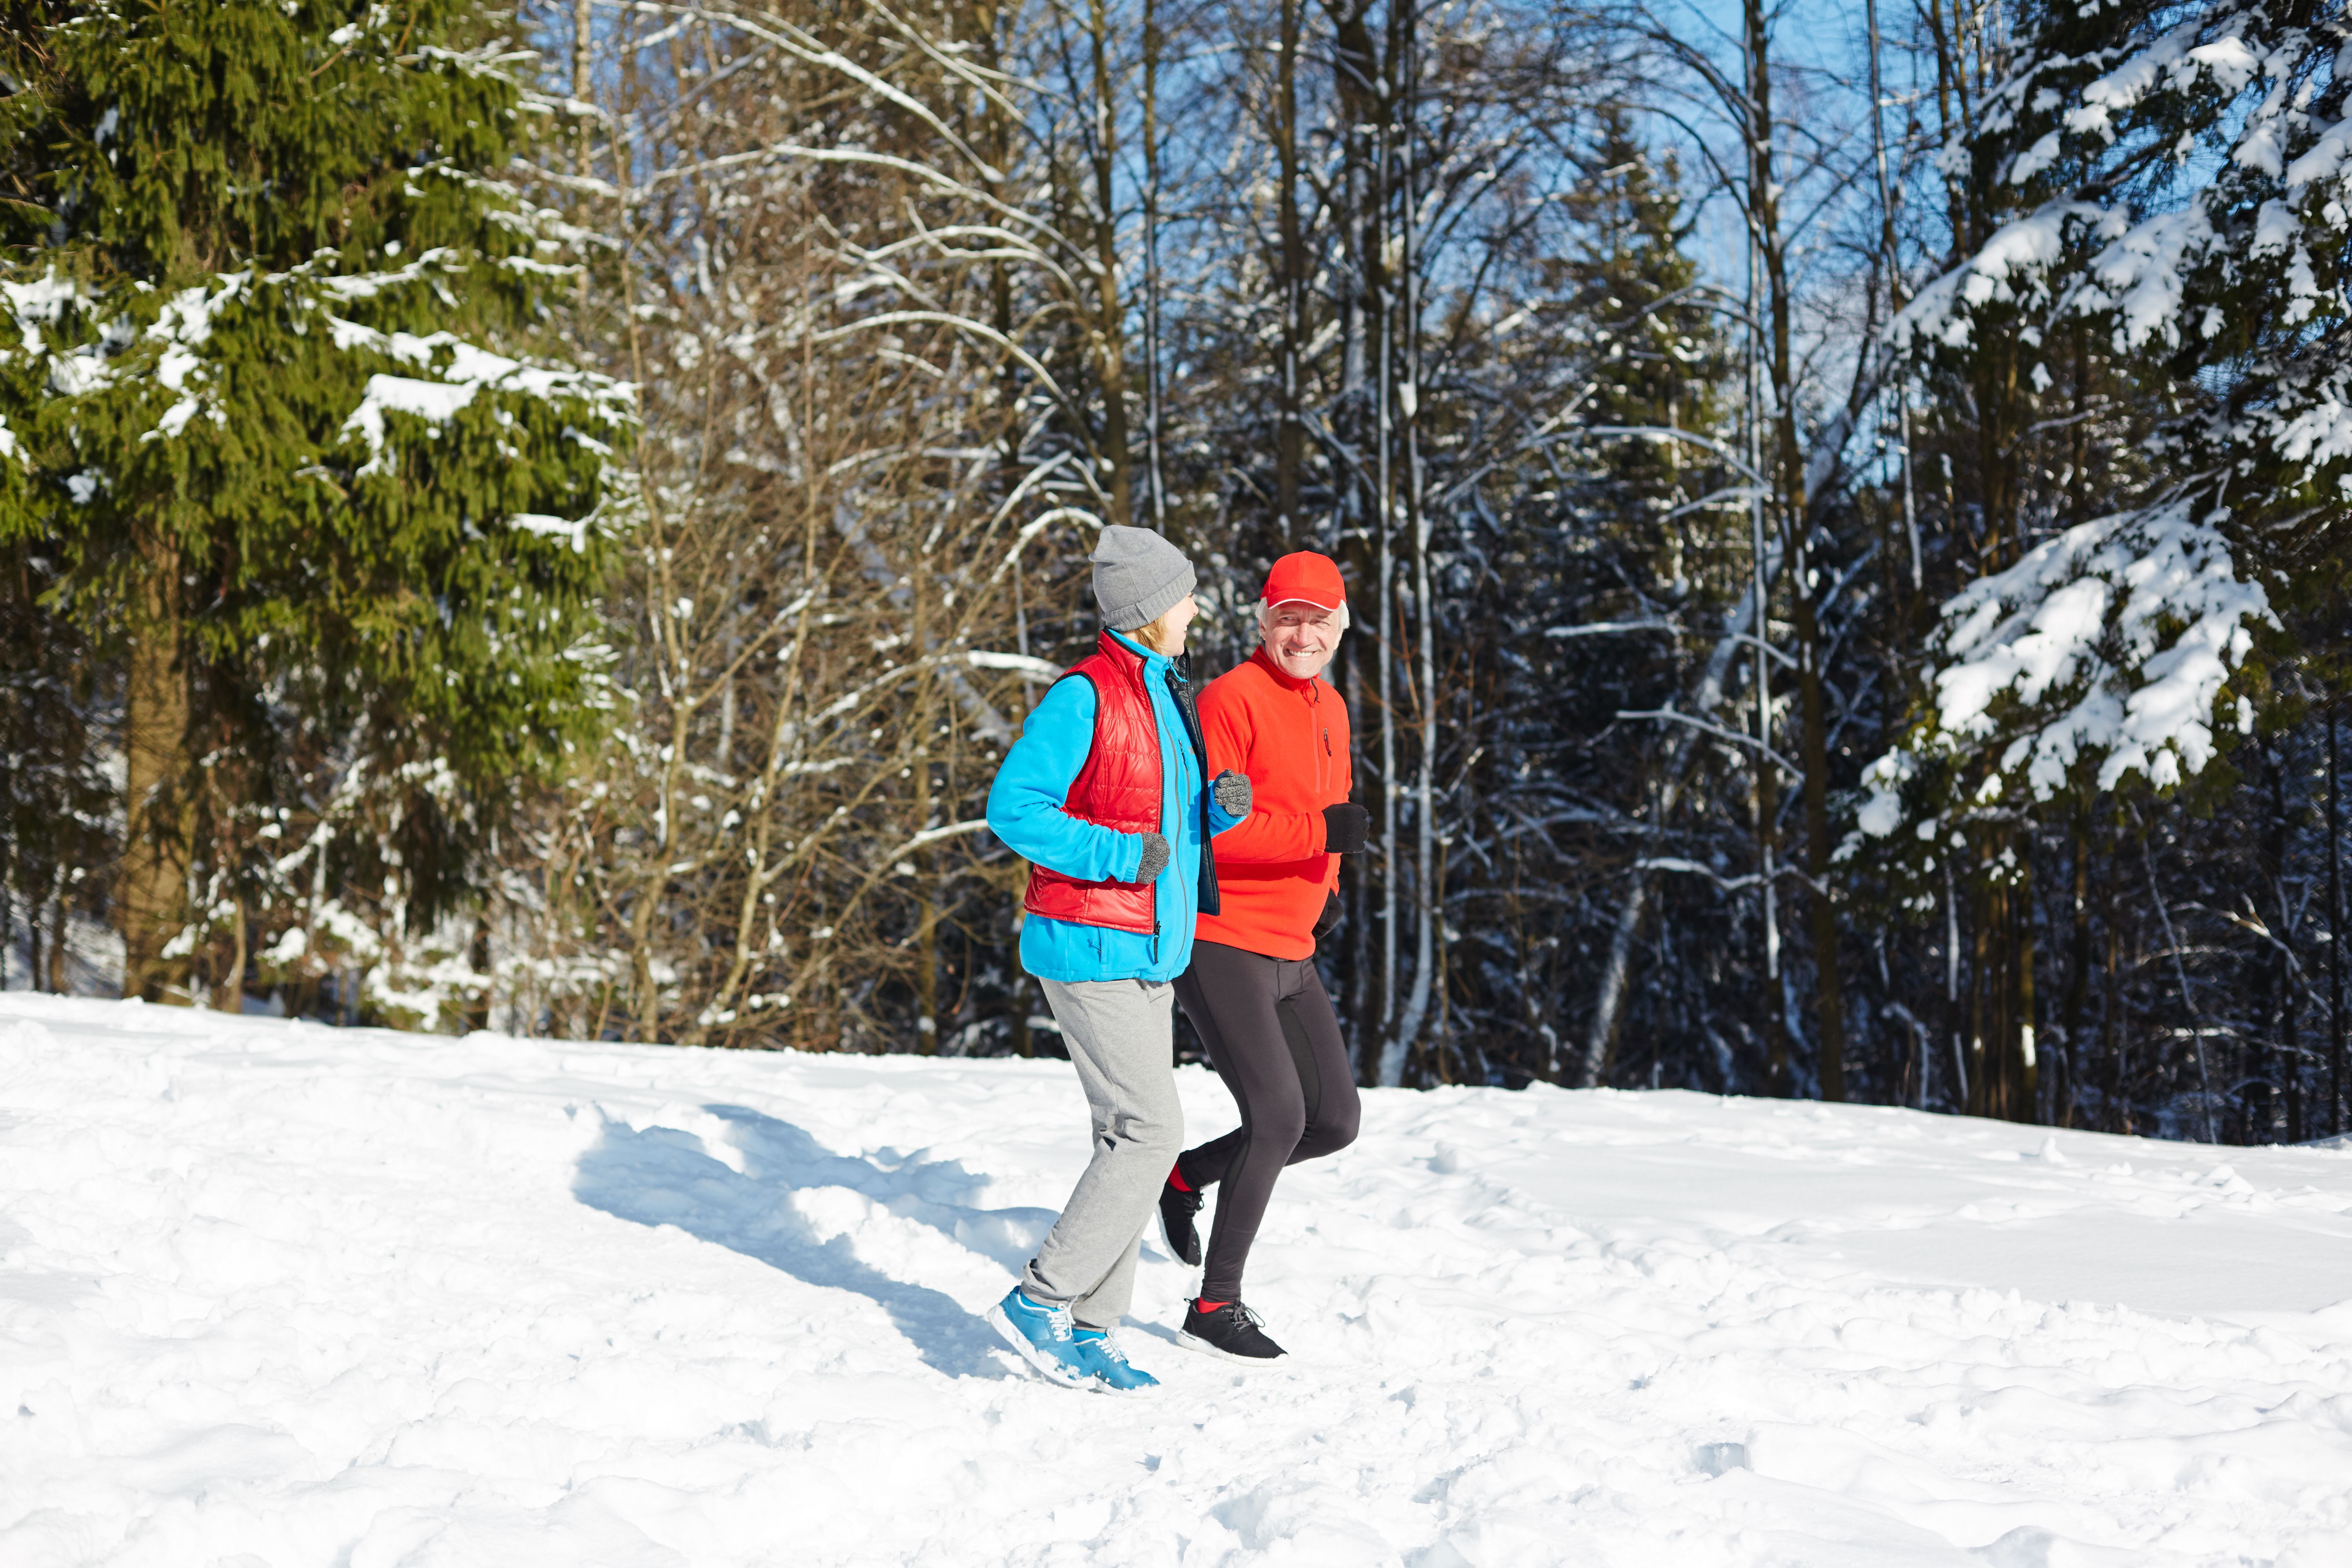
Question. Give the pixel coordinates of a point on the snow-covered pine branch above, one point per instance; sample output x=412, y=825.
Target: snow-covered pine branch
x=2178, y=178
x=2106, y=652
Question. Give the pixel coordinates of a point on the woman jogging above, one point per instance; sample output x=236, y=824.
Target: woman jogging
x=1105, y=795
x=1252, y=990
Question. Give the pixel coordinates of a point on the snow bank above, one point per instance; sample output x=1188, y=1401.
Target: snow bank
x=278, y=1294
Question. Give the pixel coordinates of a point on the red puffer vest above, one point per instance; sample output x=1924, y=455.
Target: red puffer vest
x=1119, y=787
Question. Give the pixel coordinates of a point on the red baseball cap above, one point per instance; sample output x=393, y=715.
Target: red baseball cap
x=1307, y=576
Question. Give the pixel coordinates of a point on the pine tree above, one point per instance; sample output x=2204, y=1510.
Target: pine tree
x=1584, y=549
x=2175, y=181
x=265, y=394
x=2146, y=245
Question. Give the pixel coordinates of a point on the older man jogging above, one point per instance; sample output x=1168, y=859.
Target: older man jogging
x=1252, y=990
x=1107, y=796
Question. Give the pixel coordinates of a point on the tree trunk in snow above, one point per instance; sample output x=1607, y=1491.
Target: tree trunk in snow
x=1600, y=1036
x=228, y=992
x=151, y=899
x=2078, y=973
x=1813, y=744
x=1428, y=897
x=1154, y=337
x=1822, y=913
x=1110, y=321
x=2335, y=934
x=1290, y=433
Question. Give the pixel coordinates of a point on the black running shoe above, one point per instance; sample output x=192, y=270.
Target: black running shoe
x=1177, y=1209
x=1231, y=1331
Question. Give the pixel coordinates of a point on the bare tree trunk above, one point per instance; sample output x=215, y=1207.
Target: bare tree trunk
x=152, y=898
x=1354, y=71
x=2028, y=1104
x=2336, y=1021
x=60, y=924
x=2111, y=1036
x=32, y=967
x=1152, y=44
x=1110, y=321
x=1979, y=979
x=1755, y=125
x=926, y=908
x=1428, y=897
x=1813, y=746
x=2287, y=1023
x=1963, y=1083
x=2078, y=967
x=228, y=992
x=1890, y=262
x=1814, y=757
x=477, y=1015
x=1290, y=431
x=1379, y=308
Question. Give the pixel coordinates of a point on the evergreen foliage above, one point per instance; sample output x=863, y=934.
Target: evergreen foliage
x=2180, y=178
x=2136, y=351
x=266, y=376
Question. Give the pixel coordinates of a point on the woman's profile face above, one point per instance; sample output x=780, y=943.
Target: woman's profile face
x=1171, y=625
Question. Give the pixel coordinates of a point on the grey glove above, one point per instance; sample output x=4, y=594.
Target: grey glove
x=1155, y=858
x=1346, y=828
x=1232, y=792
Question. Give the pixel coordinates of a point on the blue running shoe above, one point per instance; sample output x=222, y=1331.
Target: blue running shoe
x=1044, y=1335
x=1111, y=1366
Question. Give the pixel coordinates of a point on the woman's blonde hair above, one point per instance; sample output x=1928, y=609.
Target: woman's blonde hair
x=1158, y=636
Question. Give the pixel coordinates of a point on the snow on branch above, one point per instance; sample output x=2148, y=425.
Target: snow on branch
x=457, y=372
x=2182, y=182
x=163, y=357
x=2113, y=643
x=1019, y=663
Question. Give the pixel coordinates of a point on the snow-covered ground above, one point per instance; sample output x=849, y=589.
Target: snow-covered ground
x=278, y=1294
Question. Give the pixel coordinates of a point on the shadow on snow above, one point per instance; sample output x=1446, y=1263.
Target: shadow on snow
x=662, y=1175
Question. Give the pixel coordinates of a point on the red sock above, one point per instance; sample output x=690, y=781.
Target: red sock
x=1208, y=1306
x=1176, y=1179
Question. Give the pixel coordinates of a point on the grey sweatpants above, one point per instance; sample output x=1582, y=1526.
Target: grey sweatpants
x=1117, y=1032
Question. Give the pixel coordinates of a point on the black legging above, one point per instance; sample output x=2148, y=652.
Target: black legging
x=1270, y=1030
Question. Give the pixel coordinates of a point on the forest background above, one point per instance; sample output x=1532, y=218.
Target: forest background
x=547, y=520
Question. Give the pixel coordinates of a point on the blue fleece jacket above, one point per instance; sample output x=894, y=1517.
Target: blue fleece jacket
x=1024, y=810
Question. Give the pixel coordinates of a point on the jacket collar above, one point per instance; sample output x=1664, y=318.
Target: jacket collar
x=1289, y=682
x=1119, y=643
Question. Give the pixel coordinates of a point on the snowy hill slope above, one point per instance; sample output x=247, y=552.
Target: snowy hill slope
x=277, y=1294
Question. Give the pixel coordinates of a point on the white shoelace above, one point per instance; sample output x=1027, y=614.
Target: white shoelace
x=1058, y=1321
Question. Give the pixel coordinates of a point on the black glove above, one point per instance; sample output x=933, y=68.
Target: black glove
x=1346, y=826
x=1232, y=792
x=1155, y=858
x=1328, y=920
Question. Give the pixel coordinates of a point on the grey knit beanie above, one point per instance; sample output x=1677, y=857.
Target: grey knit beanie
x=1138, y=576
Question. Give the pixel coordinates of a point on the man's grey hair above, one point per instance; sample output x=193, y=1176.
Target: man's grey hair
x=1266, y=610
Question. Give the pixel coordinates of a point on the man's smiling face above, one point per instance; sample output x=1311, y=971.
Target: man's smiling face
x=1300, y=637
